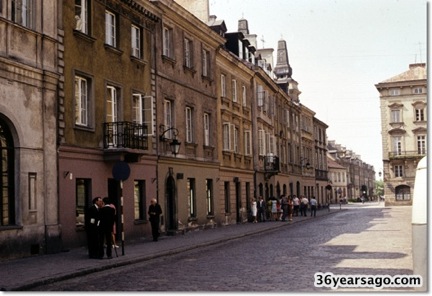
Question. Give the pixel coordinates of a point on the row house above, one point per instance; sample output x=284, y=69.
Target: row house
x=186, y=111
x=403, y=104
x=106, y=114
x=320, y=161
x=360, y=181
x=29, y=75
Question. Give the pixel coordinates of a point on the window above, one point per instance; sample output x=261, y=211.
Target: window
x=168, y=120
x=112, y=113
x=23, y=13
x=205, y=63
x=236, y=139
x=82, y=101
x=394, y=91
x=248, y=142
x=226, y=136
x=244, y=96
x=189, y=127
x=82, y=199
x=261, y=142
x=223, y=86
x=210, y=198
x=421, y=144
x=142, y=111
x=417, y=90
x=398, y=171
x=7, y=185
x=136, y=41
x=188, y=49
x=395, y=116
x=110, y=28
x=397, y=145
x=403, y=192
x=82, y=15
x=260, y=95
x=234, y=90
x=167, y=42
x=139, y=200
x=191, y=197
x=420, y=114
x=206, y=129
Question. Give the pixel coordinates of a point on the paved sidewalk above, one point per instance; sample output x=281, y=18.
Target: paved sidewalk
x=23, y=274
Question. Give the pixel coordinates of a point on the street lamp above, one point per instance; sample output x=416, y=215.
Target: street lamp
x=302, y=160
x=174, y=144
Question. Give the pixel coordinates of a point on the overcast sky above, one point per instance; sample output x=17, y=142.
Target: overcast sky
x=339, y=50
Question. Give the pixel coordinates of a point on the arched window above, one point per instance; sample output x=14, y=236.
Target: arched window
x=7, y=196
x=403, y=192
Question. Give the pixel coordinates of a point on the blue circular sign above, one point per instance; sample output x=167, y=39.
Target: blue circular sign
x=121, y=171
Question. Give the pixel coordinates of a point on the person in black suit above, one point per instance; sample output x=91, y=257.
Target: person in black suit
x=154, y=213
x=261, y=210
x=92, y=221
x=106, y=226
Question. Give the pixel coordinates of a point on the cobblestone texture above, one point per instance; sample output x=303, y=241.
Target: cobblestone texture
x=361, y=240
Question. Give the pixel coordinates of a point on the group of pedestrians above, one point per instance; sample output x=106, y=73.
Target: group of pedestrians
x=100, y=228
x=282, y=209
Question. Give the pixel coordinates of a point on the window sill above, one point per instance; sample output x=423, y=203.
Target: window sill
x=138, y=61
x=113, y=49
x=84, y=36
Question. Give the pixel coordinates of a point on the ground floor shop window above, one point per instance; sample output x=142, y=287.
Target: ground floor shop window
x=403, y=192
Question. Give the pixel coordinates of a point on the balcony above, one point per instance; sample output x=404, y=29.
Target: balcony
x=124, y=140
x=405, y=154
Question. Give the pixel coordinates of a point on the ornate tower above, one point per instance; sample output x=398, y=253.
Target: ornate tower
x=283, y=69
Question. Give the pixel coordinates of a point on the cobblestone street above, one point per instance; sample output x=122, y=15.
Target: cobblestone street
x=363, y=240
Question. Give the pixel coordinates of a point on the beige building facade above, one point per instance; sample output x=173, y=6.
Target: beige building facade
x=29, y=75
x=403, y=102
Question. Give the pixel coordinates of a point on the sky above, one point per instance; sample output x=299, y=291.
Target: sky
x=339, y=50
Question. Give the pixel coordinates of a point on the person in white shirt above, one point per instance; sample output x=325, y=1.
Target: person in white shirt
x=304, y=206
x=313, y=204
x=296, y=204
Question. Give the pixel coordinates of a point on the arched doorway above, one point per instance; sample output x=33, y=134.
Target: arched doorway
x=171, y=217
x=7, y=184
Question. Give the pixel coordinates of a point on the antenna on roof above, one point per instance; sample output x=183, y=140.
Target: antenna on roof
x=263, y=41
x=420, y=51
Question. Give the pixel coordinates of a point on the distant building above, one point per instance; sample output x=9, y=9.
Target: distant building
x=404, y=131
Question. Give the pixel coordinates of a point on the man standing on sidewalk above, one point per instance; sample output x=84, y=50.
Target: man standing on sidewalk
x=92, y=221
x=313, y=205
x=154, y=212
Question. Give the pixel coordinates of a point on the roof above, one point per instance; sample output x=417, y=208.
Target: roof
x=416, y=72
x=333, y=164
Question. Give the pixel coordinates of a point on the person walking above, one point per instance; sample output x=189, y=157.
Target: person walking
x=304, y=206
x=296, y=205
x=261, y=210
x=154, y=213
x=254, y=211
x=274, y=210
x=106, y=225
x=284, y=203
x=290, y=208
x=91, y=222
x=313, y=204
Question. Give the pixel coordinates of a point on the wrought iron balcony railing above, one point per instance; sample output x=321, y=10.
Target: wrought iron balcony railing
x=124, y=134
